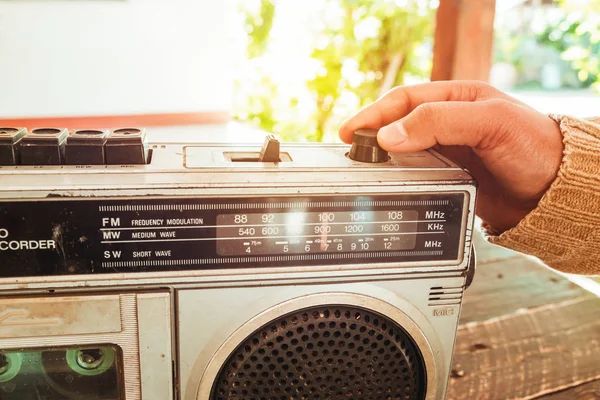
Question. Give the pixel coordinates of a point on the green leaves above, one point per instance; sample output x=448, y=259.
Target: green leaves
x=258, y=24
x=360, y=48
x=577, y=36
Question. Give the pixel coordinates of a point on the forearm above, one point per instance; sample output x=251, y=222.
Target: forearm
x=564, y=229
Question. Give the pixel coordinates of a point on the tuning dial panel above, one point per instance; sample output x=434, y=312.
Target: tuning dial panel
x=365, y=147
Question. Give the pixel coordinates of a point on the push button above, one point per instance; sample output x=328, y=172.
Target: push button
x=44, y=146
x=9, y=145
x=86, y=147
x=127, y=146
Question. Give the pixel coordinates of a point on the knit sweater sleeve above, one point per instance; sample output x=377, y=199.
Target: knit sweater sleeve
x=564, y=229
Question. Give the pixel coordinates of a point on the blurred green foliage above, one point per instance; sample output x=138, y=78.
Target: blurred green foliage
x=253, y=102
x=578, y=39
x=258, y=27
x=360, y=51
x=566, y=36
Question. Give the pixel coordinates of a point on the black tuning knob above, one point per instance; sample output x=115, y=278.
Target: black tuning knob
x=365, y=147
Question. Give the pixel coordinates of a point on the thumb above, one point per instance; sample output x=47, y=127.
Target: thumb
x=474, y=124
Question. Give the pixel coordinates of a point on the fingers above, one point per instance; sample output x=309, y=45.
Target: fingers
x=398, y=102
x=477, y=125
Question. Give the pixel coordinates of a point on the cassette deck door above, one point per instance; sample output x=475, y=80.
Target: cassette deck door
x=103, y=346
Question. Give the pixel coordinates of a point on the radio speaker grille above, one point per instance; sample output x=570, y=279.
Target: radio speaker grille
x=326, y=352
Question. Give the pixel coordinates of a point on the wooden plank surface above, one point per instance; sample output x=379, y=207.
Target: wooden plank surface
x=587, y=391
x=506, y=281
x=525, y=332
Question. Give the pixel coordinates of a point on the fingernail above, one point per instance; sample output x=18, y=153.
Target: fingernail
x=393, y=134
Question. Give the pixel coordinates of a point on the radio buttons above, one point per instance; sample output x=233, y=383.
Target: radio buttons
x=9, y=145
x=86, y=146
x=44, y=146
x=127, y=146
x=365, y=147
x=55, y=146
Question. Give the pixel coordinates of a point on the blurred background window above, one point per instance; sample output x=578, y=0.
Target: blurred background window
x=83, y=63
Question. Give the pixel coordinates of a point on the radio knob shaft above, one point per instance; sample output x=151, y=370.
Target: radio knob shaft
x=365, y=147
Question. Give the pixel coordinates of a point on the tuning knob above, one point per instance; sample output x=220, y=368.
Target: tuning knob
x=365, y=147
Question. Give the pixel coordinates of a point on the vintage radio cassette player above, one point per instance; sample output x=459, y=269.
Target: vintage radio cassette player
x=192, y=271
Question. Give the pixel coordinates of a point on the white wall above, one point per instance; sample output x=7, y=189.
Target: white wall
x=112, y=57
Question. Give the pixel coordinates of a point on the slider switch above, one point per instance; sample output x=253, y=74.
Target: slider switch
x=270, y=150
x=365, y=147
x=9, y=145
x=126, y=146
x=86, y=147
x=44, y=146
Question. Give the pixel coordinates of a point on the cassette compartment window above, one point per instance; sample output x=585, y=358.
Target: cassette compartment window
x=59, y=373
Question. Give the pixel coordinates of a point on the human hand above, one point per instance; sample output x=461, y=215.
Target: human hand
x=513, y=151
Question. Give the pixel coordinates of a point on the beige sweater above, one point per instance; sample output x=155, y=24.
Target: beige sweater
x=564, y=229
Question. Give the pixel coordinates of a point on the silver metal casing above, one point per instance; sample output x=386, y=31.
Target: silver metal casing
x=178, y=326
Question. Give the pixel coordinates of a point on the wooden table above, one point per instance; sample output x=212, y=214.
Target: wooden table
x=525, y=332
